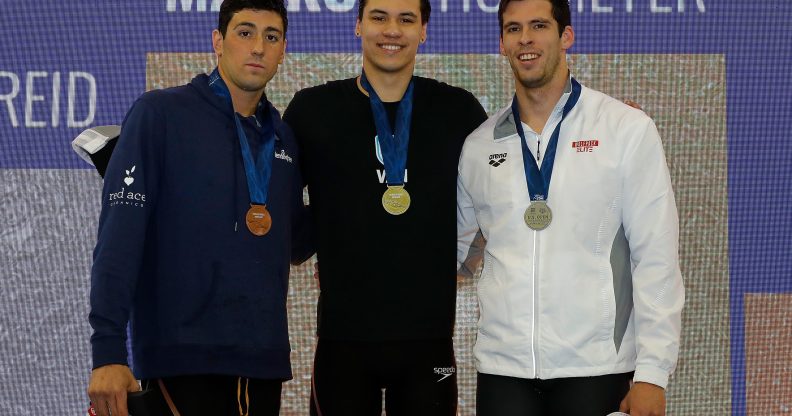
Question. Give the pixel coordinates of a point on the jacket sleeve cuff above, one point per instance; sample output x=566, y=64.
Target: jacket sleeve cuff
x=652, y=375
x=108, y=351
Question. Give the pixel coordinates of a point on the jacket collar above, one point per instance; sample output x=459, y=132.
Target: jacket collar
x=506, y=126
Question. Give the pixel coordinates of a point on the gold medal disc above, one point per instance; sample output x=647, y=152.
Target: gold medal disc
x=258, y=220
x=396, y=200
x=538, y=215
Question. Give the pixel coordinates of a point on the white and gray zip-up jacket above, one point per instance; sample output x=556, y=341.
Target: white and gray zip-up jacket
x=600, y=290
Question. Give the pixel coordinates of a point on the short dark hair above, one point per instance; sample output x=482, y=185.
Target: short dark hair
x=561, y=13
x=231, y=7
x=426, y=10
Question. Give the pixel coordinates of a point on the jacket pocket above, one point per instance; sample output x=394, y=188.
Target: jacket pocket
x=243, y=304
x=494, y=307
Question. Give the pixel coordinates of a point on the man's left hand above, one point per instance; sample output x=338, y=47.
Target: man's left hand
x=644, y=399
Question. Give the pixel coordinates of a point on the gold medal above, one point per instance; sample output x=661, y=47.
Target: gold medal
x=538, y=215
x=396, y=200
x=258, y=220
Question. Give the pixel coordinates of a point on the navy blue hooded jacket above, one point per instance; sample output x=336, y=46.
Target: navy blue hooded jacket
x=174, y=257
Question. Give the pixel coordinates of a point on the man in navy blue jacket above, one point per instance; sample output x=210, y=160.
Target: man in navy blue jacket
x=201, y=214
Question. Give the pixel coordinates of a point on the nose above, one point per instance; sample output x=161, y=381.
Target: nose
x=392, y=29
x=525, y=37
x=258, y=46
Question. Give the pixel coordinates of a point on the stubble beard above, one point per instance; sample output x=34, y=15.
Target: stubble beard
x=542, y=79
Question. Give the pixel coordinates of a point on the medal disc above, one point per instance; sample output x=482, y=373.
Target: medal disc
x=538, y=215
x=258, y=220
x=396, y=200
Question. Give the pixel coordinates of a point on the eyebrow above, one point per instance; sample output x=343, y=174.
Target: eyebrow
x=380, y=11
x=253, y=26
x=533, y=21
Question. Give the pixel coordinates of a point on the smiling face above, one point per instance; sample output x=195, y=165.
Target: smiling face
x=530, y=40
x=251, y=50
x=390, y=32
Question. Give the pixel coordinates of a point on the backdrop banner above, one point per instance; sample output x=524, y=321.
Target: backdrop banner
x=713, y=74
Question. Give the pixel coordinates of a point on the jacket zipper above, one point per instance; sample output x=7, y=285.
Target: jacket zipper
x=534, y=315
x=534, y=332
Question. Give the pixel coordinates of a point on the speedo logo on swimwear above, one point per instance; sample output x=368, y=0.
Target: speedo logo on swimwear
x=283, y=156
x=586, y=146
x=497, y=159
x=444, y=372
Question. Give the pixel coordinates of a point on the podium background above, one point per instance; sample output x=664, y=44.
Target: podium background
x=713, y=74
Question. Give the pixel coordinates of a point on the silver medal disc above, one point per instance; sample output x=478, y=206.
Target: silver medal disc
x=538, y=215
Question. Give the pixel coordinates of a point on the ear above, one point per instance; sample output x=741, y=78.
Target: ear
x=423, y=31
x=567, y=38
x=217, y=42
x=502, y=50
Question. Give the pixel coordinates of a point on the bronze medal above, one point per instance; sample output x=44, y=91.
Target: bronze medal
x=396, y=200
x=538, y=215
x=258, y=220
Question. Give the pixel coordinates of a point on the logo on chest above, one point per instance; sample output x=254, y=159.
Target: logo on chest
x=585, y=146
x=283, y=156
x=497, y=159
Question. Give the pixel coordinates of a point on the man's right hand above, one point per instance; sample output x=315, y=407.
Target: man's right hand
x=108, y=389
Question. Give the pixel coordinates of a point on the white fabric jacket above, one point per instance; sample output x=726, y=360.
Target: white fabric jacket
x=600, y=290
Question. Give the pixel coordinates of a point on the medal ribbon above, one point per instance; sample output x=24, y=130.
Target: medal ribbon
x=392, y=142
x=539, y=181
x=258, y=174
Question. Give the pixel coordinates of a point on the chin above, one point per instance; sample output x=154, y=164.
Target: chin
x=532, y=81
x=391, y=67
x=255, y=86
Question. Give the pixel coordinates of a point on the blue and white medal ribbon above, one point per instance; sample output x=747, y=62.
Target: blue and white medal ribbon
x=538, y=215
x=393, y=144
x=259, y=172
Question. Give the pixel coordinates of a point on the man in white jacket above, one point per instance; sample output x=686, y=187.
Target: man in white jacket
x=581, y=292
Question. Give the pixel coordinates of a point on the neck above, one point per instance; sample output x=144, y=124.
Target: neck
x=537, y=104
x=244, y=102
x=390, y=86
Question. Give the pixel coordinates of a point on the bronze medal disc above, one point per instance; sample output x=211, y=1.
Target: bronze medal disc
x=538, y=215
x=258, y=220
x=396, y=200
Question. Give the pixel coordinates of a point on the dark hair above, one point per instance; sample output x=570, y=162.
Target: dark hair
x=231, y=7
x=426, y=10
x=561, y=13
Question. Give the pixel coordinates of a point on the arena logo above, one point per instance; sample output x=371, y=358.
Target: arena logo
x=466, y=6
x=497, y=159
x=42, y=96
